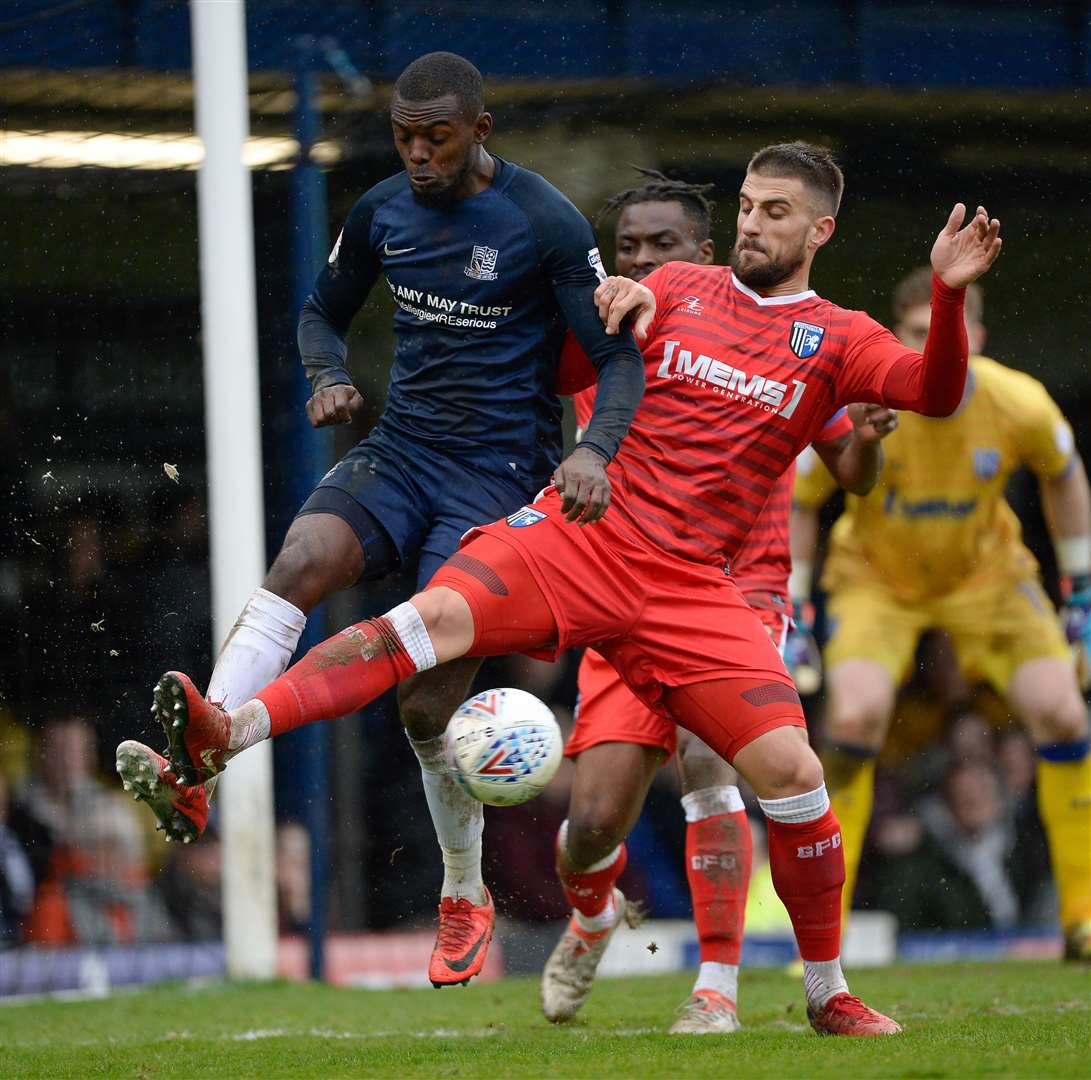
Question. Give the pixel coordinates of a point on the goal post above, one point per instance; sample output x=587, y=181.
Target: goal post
x=233, y=440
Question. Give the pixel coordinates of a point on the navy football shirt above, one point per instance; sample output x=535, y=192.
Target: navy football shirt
x=485, y=289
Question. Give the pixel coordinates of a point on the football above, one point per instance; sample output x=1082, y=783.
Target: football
x=503, y=746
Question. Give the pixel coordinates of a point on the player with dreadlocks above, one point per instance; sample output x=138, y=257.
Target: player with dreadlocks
x=619, y=743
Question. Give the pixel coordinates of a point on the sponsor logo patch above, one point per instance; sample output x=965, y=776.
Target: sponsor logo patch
x=525, y=516
x=805, y=338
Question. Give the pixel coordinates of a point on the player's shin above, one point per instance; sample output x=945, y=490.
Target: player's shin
x=1064, y=803
x=459, y=821
x=342, y=674
x=590, y=889
x=719, y=853
x=808, y=868
x=850, y=780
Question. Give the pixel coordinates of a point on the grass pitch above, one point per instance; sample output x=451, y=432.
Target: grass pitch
x=1018, y=1019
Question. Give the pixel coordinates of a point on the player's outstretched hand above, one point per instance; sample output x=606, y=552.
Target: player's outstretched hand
x=617, y=297
x=583, y=486
x=960, y=256
x=872, y=422
x=334, y=405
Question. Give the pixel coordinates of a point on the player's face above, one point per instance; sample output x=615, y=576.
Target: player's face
x=779, y=230
x=650, y=234
x=436, y=142
x=912, y=329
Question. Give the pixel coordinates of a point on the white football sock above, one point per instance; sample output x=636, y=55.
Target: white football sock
x=249, y=725
x=459, y=820
x=257, y=650
x=711, y=802
x=821, y=980
x=723, y=978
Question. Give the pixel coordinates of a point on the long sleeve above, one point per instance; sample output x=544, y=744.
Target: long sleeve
x=878, y=368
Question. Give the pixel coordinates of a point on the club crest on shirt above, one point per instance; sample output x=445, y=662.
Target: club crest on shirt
x=986, y=463
x=806, y=339
x=482, y=263
x=525, y=516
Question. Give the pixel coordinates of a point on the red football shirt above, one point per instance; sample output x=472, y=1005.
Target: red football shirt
x=738, y=384
x=763, y=563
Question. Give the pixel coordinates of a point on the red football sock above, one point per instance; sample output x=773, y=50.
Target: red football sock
x=590, y=891
x=338, y=676
x=719, y=853
x=808, y=868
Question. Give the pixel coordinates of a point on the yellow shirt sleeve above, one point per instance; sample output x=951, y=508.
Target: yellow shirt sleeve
x=1044, y=437
x=813, y=484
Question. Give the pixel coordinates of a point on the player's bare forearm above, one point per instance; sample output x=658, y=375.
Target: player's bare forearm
x=855, y=460
x=855, y=465
x=1066, y=502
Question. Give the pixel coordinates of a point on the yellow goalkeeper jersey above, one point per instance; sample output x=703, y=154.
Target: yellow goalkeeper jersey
x=937, y=520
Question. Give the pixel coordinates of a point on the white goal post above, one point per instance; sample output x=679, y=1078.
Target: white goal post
x=233, y=440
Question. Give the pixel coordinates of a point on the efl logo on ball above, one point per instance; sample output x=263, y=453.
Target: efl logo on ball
x=503, y=746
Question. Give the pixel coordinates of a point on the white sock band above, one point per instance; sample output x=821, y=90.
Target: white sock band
x=280, y=620
x=822, y=979
x=431, y=753
x=797, y=808
x=723, y=978
x=562, y=842
x=409, y=626
x=711, y=802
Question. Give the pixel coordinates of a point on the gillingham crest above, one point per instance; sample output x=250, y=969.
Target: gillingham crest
x=806, y=339
x=525, y=516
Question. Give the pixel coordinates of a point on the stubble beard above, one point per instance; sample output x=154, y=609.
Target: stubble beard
x=769, y=274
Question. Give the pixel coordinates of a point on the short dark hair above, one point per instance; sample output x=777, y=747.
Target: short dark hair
x=660, y=188
x=439, y=74
x=814, y=165
x=915, y=290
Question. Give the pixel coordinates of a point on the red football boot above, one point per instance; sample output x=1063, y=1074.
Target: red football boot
x=181, y=810
x=198, y=732
x=462, y=942
x=844, y=1014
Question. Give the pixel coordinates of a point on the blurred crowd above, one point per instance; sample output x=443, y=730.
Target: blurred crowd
x=104, y=598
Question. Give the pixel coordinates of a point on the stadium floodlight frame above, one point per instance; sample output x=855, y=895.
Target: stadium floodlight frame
x=233, y=438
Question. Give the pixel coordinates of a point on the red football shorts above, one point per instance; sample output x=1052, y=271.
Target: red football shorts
x=662, y=622
x=608, y=711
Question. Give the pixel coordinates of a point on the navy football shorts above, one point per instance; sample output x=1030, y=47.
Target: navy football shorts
x=407, y=503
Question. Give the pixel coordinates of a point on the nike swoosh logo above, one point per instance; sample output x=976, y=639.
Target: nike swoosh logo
x=468, y=959
x=388, y=250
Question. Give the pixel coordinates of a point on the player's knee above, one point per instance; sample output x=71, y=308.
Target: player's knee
x=448, y=621
x=320, y=555
x=417, y=708
x=1061, y=720
x=701, y=767
x=792, y=775
x=857, y=719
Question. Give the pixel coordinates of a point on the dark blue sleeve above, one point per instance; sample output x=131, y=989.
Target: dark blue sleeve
x=570, y=261
x=340, y=292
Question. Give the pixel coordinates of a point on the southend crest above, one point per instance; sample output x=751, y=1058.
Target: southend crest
x=986, y=463
x=482, y=263
x=524, y=517
x=806, y=339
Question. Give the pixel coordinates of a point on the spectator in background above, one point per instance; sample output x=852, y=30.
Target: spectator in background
x=95, y=891
x=16, y=877
x=191, y=887
x=293, y=877
x=949, y=868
